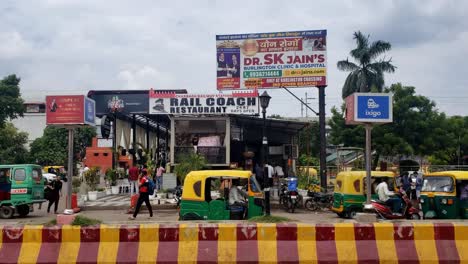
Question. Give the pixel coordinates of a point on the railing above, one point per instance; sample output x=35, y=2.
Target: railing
x=213, y=155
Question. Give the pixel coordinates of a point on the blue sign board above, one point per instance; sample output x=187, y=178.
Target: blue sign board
x=373, y=108
x=89, y=111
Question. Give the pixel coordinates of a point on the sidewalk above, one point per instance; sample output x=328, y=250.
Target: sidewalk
x=122, y=202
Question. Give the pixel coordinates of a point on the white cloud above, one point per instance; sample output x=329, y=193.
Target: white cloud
x=82, y=45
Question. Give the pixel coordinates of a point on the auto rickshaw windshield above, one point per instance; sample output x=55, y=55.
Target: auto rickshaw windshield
x=438, y=184
x=254, y=185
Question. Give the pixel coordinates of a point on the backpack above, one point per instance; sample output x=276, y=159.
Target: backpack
x=151, y=186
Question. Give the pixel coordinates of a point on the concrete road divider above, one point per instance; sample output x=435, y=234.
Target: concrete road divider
x=231, y=243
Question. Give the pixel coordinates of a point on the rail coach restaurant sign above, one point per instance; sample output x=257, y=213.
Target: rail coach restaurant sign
x=201, y=104
x=272, y=60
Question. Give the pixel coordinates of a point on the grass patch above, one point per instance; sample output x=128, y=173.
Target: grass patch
x=85, y=221
x=51, y=222
x=269, y=219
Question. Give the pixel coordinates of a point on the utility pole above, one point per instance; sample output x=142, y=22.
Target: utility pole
x=323, y=140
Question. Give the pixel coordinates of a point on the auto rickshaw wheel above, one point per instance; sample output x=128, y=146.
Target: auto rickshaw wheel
x=23, y=210
x=350, y=214
x=415, y=217
x=6, y=212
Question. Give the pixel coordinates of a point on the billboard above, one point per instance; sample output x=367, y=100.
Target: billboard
x=240, y=103
x=369, y=108
x=70, y=110
x=271, y=60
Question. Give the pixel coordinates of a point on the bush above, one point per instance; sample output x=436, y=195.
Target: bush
x=76, y=183
x=85, y=221
x=111, y=176
x=187, y=164
x=92, y=178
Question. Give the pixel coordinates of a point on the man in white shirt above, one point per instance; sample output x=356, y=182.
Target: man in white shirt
x=236, y=195
x=270, y=173
x=384, y=196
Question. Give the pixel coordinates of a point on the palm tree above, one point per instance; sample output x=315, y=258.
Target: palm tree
x=368, y=75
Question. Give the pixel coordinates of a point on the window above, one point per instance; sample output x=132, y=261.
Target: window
x=20, y=175
x=438, y=184
x=338, y=185
x=197, y=188
x=254, y=185
x=36, y=174
x=4, y=175
x=357, y=185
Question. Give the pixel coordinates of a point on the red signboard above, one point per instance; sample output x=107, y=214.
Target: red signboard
x=349, y=116
x=65, y=109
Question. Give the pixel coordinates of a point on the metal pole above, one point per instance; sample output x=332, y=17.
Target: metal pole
x=134, y=140
x=368, y=166
x=323, y=140
x=266, y=178
x=70, y=169
x=114, y=142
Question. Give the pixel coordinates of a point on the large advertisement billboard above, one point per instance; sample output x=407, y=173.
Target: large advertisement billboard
x=240, y=103
x=271, y=60
x=70, y=110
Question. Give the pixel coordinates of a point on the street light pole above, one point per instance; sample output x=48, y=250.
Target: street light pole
x=264, y=101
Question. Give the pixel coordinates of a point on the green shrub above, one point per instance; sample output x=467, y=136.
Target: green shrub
x=269, y=219
x=92, y=178
x=85, y=221
x=76, y=183
x=188, y=163
x=111, y=176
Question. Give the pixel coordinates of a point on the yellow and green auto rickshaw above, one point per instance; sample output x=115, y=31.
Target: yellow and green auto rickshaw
x=201, y=202
x=440, y=195
x=350, y=189
x=21, y=186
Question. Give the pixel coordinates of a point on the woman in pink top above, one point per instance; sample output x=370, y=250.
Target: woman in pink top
x=159, y=178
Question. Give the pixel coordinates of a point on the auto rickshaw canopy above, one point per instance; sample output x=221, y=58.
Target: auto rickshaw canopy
x=350, y=182
x=458, y=175
x=195, y=181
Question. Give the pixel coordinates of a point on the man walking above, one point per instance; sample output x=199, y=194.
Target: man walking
x=133, y=179
x=144, y=195
x=55, y=192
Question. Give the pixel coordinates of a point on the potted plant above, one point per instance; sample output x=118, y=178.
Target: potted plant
x=92, y=178
x=111, y=176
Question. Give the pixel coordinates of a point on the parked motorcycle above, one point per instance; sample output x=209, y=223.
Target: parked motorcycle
x=318, y=200
x=177, y=191
x=408, y=212
x=292, y=200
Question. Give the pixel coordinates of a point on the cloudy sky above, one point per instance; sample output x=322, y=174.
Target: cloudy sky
x=72, y=46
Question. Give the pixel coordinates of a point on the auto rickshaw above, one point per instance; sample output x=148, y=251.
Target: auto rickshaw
x=21, y=186
x=440, y=195
x=54, y=169
x=350, y=189
x=198, y=202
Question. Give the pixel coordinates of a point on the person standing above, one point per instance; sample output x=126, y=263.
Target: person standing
x=133, y=179
x=159, y=177
x=55, y=192
x=143, y=184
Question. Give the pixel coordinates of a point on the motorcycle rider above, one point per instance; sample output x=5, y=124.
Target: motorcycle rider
x=384, y=196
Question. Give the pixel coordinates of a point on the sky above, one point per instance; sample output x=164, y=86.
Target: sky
x=73, y=46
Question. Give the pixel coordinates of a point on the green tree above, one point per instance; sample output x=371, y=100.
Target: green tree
x=368, y=74
x=188, y=163
x=309, y=139
x=416, y=129
x=12, y=145
x=452, y=139
x=52, y=147
x=11, y=103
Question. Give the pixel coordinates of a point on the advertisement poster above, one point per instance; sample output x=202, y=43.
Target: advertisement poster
x=69, y=110
x=271, y=60
x=240, y=103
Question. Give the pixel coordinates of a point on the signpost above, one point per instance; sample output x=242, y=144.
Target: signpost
x=70, y=111
x=369, y=109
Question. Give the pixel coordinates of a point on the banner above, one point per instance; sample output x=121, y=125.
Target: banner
x=271, y=60
x=240, y=103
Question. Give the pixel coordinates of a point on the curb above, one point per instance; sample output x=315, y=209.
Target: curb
x=243, y=242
